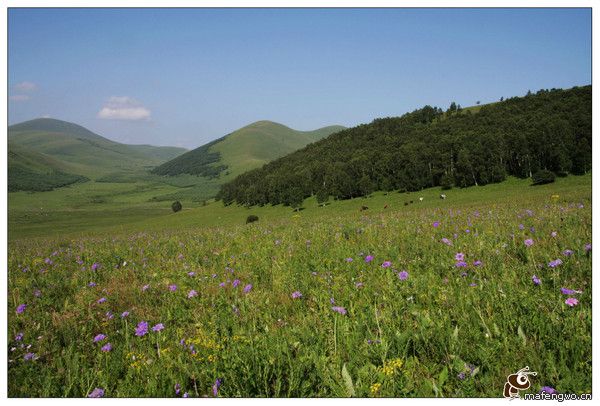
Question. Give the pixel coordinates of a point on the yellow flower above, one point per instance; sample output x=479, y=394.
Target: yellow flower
x=375, y=388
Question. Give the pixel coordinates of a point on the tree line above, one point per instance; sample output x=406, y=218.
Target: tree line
x=460, y=147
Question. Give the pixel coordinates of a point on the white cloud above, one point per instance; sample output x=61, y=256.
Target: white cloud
x=19, y=97
x=26, y=86
x=123, y=108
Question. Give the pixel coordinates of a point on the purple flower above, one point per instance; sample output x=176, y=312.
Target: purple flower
x=30, y=356
x=339, y=309
x=567, y=253
x=95, y=266
x=571, y=301
x=141, y=329
x=215, y=387
x=472, y=284
x=349, y=260
x=235, y=283
x=521, y=227
x=403, y=275
x=177, y=388
x=358, y=285
x=536, y=280
x=459, y=256
x=99, y=337
x=247, y=288
x=19, y=337
x=192, y=273
x=222, y=284
x=446, y=241
x=588, y=247
x=124, y=314
x=110, y=316
x=555, y=263
x=172, y=288
x=37, y=293
x=436, y=224
x=192, y=294
x=461, y=264
x=296, y=295
x=101, y=300
x=553, y=233
x=477, y=263
x=186, y=395
x=461, y=376
x=96, y=393
x=331, y=300
x=386, y=264
x=158, y=327
x=548, y=389
x=92, y=284
x=21, y=308
x=529, y=242
x=48, y=261
x=107, y=347
x=145, y=288
x=368, y=258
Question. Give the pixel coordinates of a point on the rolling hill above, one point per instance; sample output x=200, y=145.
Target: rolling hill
x=84, y=152
x=547, y=131
x=244, y=149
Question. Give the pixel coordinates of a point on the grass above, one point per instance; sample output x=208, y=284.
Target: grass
x=445, y=330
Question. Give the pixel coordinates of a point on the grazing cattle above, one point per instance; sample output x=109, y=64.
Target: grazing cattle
x=442, y=196
x=363, y=208
x=406, y=203
x=251, y=218
x=411, y=202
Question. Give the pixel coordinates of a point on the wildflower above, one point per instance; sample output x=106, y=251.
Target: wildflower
x=247, y=288
x=529, y=242
x=192, y=294
x=30, y=356
x=566, y=291
x=459, y=256
x=349, y=260
x=92, y=284
x=172, y=288
x=222, y=284
x=477, y=263
x=461, y=264
x=461, y=376
x=375, y=388
x=296, y=295
x=141, y=329
x=124, y=314
x=536, y=280
x=571, y=301
x=37, y=293
x=101, y=300
x=96, y=393
x=177, y=388
x=532, y=229
x=340, y=310
x=99, y=337
x=446, y=241
x=521, y=227
x=215, y=387
x=95, y=266
x=158, y=327
x=145, y=288
x=21, y=308
x=191, y=273
x=553, y=234
x=186, y=395
x=567, y=253
x=472, y=284
x=436, y=224
x=555, y=263
x=368, y=258
x=403, y=275
x=548, y=389
x=358, y=285
x=107, y=347
x=235, y=283
x=19, y=337
x=109, y=315
x=386, y=264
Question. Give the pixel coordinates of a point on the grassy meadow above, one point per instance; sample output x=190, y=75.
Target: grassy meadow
x=121, y=297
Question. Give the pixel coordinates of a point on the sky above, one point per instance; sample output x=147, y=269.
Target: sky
x=184, y=77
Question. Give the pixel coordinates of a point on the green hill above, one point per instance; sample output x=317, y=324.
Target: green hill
x=85, y=152
x=550, y=130
x=33, y=171
x=247, y=148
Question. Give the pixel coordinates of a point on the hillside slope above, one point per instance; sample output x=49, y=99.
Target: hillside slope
x=244, y=149
x=551, y=130
x=87, y=153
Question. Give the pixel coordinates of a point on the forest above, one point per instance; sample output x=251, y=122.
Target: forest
x=550, y=130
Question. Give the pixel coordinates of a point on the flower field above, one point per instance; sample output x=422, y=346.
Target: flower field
x=440, y=301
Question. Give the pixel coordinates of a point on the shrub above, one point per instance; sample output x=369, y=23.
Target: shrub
x=176, y=206
x=542, y=177
x=251, y=218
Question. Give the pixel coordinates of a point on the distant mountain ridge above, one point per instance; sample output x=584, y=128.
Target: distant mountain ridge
x=247, y=148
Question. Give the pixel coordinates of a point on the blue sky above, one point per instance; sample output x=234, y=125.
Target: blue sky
x=187, y=76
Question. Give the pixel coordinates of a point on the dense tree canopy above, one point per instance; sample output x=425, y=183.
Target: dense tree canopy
x=550, y=130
